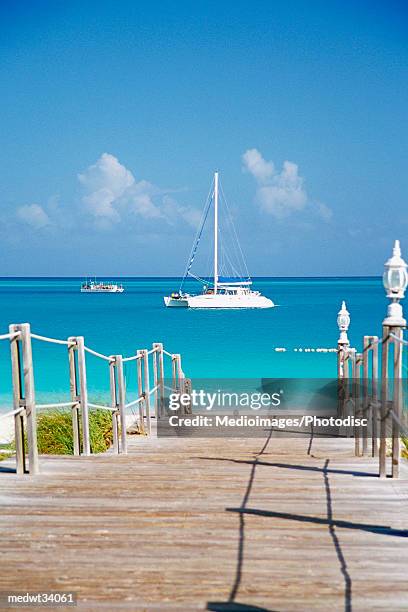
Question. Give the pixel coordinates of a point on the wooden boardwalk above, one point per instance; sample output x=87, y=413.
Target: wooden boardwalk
x=210, y=524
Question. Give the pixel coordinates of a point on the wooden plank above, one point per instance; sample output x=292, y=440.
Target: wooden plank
x=210, y=523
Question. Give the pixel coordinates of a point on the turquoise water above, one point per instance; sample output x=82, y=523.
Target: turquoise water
x=212, y=343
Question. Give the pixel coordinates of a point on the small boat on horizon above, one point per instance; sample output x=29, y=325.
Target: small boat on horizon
x=94, y=286
x=233, y=291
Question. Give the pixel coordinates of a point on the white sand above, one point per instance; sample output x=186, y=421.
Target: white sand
x=6, y=429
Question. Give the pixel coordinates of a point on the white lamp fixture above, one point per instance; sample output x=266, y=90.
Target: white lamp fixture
x=395, y=281
x=343, y=321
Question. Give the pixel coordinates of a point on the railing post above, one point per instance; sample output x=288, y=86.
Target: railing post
x=341, y=380
x=397, y=402
x=174, y=372
x=146, y=389
x=187, y=388
x=83, y=400
x=359, y=402
x=395, y=279
x=155, y=382
x=342, y=377
x=27, y=372
x=114, y=404
x=346, y=377
x=384, y=402
x=343, y=344
x=29, y=393
x=374, y=397
x=73, y=389
x=139, y=364
x=356, y=367
x=160, y=375
x=17, y=400
x=121, y=402
x=366, y=398
x=180, y=373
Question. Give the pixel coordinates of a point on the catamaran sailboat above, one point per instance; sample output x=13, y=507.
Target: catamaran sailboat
x=217, y=292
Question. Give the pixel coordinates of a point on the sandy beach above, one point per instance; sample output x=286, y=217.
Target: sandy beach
x=6, y=430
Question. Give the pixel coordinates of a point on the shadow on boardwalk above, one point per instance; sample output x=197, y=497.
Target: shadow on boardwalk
x=232, y=605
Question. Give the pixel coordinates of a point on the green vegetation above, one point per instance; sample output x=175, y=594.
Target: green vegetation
x=6, y=450
x=54, y=432
x=405, y=450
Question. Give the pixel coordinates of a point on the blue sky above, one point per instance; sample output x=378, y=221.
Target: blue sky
x=115, y=114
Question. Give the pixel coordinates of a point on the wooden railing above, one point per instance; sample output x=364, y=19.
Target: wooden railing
x=149, y=399
x=379, y=400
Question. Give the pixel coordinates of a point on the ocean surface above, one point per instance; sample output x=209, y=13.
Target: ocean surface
x=220, y=343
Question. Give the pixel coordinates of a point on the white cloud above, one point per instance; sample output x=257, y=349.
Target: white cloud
x=111, y=197
x=173, y=212
x=112, y=194
x=257, y=166
x=280, y=193
x=104, y=183
x=34, y=215
x=324, y=211
x=139, y=199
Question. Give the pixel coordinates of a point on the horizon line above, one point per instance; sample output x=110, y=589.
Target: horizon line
x=113, y=276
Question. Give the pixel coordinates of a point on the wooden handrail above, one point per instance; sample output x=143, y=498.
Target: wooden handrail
x=24, y=407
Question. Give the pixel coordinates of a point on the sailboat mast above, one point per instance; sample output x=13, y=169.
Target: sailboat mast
x=215, y=232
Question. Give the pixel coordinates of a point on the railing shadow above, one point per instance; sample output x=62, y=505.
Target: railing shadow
x=5, y=469
x=336, y=542
x=215, y=606
x=231, y=605
x=291, y=466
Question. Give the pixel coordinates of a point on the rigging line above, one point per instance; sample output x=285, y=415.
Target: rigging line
x=237, y=256
x=199, y=233
x=208, y=267
x=235, y=232
x=201, y=280
x=232, y=267
x=232, y=254
x=222, y=267
x=197, y=243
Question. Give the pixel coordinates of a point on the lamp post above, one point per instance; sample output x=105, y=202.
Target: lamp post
x=395, y=281
x=343, y=322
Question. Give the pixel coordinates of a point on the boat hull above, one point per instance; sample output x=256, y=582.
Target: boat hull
x=113, y=290
x=176, y=303
x=220, y=301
